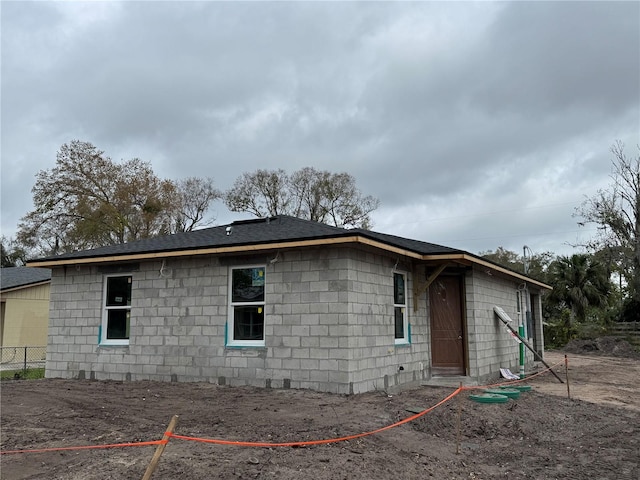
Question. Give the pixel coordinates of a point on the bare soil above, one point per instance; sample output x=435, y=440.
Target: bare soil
x=604, y=380
x=541, y=435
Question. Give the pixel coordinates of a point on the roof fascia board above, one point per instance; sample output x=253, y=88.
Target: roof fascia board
x=466, y=258
x=389, y=248
x=456, y=257
x=197, y=251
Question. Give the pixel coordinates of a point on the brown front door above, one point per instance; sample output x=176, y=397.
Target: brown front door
x=447, y=332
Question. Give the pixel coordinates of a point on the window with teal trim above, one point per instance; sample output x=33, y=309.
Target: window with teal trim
x=246, y=306
x=401, y=324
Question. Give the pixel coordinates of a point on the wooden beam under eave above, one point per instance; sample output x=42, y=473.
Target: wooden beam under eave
x=418, y=289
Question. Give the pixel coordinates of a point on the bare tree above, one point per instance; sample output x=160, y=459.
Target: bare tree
x=308, y=193
x=88, y=201
x=263, y=193
x=194, y=196
x=616, y=212
x=11, y=253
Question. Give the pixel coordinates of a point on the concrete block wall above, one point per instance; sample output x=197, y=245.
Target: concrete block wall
x=174, y=329
x=379, y=364
x=328, y=324
x=490, y=345
x=537, y=323
x=307, y=302
x=74, y=319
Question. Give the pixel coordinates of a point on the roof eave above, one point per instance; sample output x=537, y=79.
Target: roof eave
x=471, y=259
x=240, y=248
x=26, y=285
x=459, y=257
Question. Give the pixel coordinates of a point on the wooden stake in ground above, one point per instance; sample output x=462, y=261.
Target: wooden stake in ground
x=156, y=456
x=566, y=373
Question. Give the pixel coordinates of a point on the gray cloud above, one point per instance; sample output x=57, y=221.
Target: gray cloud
x=479, y=124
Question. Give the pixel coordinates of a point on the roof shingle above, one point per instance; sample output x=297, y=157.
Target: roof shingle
x=13, y=277
x=281, y=228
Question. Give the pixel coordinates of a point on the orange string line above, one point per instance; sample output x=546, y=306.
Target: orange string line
x=284, y=444
x=513, y=382
x=317, y=442
x=237, y=443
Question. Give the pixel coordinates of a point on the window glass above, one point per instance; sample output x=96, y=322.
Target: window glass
x=116, y=317
x=118, y=324
x=248, y=285
x=398, y=288
x=399, y=319
x=248, y=323
x=246, y=313
x=118, y=291
x=401, y=326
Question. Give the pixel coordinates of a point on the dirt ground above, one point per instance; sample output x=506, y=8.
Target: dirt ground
x=541, y=435
x=598, y=379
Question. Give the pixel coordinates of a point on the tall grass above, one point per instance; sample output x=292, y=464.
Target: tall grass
x=28, y=374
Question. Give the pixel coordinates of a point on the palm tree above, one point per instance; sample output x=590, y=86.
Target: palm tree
x=579, y=282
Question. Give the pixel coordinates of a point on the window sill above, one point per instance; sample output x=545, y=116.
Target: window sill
x=245, y=347
x=245, y=351
x=112, y=347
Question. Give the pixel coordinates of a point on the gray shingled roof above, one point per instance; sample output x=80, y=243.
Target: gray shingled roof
x=282, y=228
x=12, y=277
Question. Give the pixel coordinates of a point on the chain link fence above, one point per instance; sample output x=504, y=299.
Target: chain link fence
x=22, y=358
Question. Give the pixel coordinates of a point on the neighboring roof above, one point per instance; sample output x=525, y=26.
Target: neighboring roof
x=281, y=231
x=20, y=277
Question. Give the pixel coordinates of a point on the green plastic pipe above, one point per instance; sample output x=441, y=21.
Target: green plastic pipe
x=521, y=333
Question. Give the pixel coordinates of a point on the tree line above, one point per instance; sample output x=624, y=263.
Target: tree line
x=601, y=284
x=585, y=298
x=87, y=200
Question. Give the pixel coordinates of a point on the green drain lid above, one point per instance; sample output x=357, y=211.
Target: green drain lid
x=509, y=392
x=521, y=388
x=489, y=398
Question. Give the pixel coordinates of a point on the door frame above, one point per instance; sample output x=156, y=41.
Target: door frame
x=460, y=276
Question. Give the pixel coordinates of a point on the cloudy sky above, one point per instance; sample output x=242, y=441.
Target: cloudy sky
x=477, y=125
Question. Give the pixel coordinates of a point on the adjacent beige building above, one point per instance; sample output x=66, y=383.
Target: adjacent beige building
x=24, y=303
